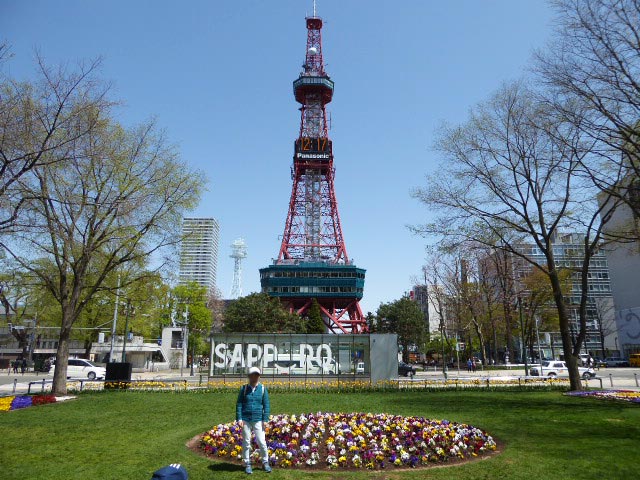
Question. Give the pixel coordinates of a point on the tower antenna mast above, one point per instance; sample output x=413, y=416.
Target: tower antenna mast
x=238, y=253
x=313, y=265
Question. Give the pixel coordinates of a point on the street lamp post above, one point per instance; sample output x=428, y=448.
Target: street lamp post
x=539, y=349
x=185, y=340
x=444, y=364
x=192, y=356
x=458, y=353
x=524, y=347
x=126, y=327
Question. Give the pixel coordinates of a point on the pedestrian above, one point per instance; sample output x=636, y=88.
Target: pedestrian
x=252, y=414
x=15, y=365
x=469, y=365
x=24, y=365
x=474, y=366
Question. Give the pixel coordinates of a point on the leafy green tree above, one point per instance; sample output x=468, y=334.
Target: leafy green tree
x=193, y=296
x=371, y=322
x=314, y=323
x=261, y=313
x=112, y=198
x=405, y=318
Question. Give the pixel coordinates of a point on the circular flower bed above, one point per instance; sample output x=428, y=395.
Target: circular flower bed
x=354, y=440
x=623, y=395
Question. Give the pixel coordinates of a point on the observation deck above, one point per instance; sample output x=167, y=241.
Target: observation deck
x=306, y=85
x=304, y=279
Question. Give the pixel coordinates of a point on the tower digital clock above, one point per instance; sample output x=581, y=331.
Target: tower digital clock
x=314, y=147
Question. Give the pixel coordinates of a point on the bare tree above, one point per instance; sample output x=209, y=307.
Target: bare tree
x=606, y=319
x=513, y=176
x=595, y=61
x=40, y=121
x=115, y=200
x=5, y=51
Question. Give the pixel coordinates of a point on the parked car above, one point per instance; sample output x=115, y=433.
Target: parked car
x=615, y=362
x=556, y=368
x=406, y=369
x=81, y=368
x=360, y=368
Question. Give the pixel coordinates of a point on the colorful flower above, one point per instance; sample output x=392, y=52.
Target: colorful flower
x=355, y=440
x=623, y=395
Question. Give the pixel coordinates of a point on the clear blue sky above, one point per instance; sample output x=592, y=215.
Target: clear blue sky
x=217, y=76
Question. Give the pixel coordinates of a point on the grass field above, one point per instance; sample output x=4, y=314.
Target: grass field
x=128, y=435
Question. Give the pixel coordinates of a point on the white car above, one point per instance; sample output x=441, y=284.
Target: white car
x=556, y=368
x=360, y=368
x=80, y=368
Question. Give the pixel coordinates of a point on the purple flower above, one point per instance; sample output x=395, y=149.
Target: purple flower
x=21, y=402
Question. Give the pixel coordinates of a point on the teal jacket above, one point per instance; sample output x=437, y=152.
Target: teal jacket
x=253, y=406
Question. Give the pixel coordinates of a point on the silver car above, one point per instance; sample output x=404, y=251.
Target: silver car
x=557, y=368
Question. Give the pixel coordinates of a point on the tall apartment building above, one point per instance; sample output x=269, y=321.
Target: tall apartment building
x=199, y=251
x=426, y=300
x=568, y=252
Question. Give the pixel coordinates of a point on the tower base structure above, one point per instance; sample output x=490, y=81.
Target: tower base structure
x=338, y=289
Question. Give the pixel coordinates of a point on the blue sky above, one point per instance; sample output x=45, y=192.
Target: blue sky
x=217, y=76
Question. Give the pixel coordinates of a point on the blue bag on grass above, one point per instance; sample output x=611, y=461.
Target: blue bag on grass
x=175, y=471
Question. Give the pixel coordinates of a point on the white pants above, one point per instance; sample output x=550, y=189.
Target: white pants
x=256, y=427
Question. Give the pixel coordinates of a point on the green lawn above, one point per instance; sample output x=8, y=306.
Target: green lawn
x=127, y=435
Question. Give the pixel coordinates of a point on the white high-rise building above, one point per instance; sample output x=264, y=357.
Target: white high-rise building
x=199, y=251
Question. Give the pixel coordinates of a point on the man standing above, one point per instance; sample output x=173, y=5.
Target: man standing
x=252, y=414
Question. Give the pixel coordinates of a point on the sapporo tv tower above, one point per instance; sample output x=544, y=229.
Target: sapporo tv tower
x=313, y=261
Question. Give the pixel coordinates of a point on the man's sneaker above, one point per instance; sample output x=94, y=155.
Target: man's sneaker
x=267, y=467
x=248, y=470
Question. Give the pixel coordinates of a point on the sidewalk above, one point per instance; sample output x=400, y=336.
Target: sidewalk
x=621, y=378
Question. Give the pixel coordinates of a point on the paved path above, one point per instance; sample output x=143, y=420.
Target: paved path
x=626, y=378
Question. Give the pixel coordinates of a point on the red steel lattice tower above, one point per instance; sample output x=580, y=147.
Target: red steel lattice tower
x=313, y=262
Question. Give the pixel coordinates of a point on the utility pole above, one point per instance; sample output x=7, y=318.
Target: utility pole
x=115, y=321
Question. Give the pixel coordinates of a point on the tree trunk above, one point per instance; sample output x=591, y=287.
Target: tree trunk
x=23, y=340
x=507, y=324
x=481, y=340
x=62, y=360
x=495, y=343
x=565, y=330
x=88, y=343
x=405, y=353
